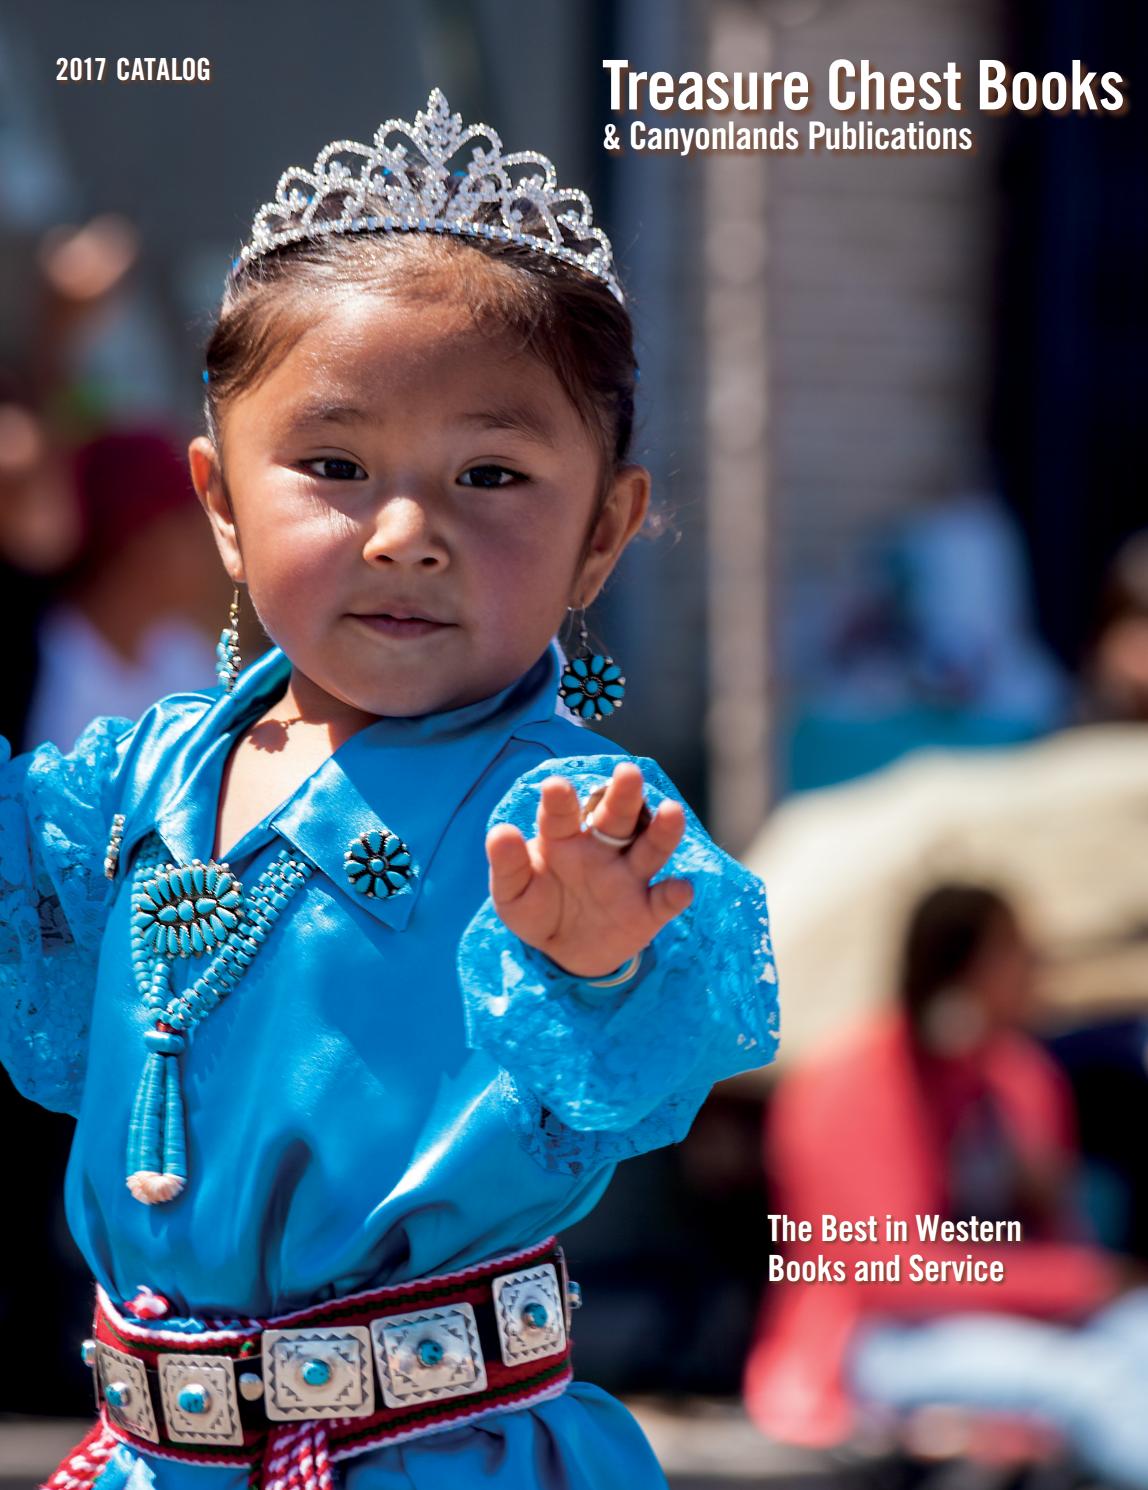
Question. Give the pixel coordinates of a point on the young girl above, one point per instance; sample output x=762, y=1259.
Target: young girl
x=338, y=1078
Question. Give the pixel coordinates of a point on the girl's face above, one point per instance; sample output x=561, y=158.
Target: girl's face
x=411, y=505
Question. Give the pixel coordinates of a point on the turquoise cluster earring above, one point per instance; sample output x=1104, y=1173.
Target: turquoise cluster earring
x=227, y=658
x=592, y=684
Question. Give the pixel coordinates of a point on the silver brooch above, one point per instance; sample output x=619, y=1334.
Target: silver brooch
x=112, y=852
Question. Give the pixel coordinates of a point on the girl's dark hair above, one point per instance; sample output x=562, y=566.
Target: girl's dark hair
x=947, y=929
x=567, y=319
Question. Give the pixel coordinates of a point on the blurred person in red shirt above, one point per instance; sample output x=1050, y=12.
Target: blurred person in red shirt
x=945, y=1107
x=133, y=617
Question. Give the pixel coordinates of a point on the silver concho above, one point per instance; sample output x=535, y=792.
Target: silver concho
x=219, y=1421
x=428, y=1355
x=349, y=1388
x=528, y=1308
x=136, y=1414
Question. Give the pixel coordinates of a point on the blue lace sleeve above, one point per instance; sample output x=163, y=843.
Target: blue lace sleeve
x=606, y=1074
x=55, y=817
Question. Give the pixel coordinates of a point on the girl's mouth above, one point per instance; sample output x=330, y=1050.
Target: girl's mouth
x=402, y=626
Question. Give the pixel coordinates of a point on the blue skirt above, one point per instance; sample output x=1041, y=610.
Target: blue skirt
x=583, y=1440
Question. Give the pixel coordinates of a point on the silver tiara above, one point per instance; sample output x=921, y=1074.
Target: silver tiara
x=382, y=187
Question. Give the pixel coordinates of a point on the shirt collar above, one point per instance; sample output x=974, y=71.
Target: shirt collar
x=409, y=776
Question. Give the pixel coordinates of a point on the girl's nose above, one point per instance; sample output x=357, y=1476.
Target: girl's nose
x=404, y=533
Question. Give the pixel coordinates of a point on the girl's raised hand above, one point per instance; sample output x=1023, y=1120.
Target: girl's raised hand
x=588, y=906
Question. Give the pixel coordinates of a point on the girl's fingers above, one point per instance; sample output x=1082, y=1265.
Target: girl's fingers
x=651, y=850
x=559, y=811
x=668, y=898
x=511, y=869
x=617, y=812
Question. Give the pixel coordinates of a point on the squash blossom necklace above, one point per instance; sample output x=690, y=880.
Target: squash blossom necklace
x=178, y=912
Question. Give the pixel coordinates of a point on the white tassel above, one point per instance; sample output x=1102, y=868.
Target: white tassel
x=153, y=1188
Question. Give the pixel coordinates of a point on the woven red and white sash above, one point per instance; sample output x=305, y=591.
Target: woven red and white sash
x=509, y=1369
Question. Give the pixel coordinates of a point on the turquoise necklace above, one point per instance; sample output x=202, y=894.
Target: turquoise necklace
x=180, y=911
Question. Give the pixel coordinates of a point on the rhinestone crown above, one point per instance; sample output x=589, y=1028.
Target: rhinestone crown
x=403, y=182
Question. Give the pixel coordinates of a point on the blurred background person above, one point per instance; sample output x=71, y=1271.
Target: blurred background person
x=943, y=1105
x=64, y=295
x=111, y=590
x=98, y=565
x=1115, y=675
x=935, y=647
x=133, y=616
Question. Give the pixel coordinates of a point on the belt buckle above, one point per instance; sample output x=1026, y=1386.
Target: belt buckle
x=529, y=1311
x=123, y=1388
x=200, y=1400
x=428, y=1355
x=317, y=1373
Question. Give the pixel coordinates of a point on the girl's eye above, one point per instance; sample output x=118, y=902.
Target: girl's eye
x=487, y=478
x=335, y=468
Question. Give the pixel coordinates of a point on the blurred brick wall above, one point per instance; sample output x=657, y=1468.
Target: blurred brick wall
x=879, y=289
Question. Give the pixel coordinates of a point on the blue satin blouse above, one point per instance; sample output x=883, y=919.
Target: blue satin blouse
x=398, y=1086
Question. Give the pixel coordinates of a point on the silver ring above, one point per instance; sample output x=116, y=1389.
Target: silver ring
x=611, y=840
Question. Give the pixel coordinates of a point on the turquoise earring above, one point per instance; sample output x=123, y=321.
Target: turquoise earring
x=592, y=684
x=227, y=658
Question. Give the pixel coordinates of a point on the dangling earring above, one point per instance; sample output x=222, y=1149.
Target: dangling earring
x=227, y=658
x=592, y=684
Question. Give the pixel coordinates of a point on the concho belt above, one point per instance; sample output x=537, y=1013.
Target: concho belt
x=288, y=1396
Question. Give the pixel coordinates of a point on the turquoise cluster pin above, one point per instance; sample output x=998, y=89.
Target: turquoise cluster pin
x=378, y=864
x=181, y=911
